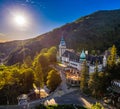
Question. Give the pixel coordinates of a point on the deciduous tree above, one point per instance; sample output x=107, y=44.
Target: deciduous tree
x=53, y=79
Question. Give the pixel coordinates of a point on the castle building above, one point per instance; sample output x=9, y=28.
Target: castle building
x=75, y=60
x=74, y=63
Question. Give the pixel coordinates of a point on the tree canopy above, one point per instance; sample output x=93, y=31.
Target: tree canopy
x=84, y=78
x=112, y=56
x=53, y=79
x=22, y=76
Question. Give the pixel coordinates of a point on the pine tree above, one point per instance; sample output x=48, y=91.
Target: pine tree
x=84, y=78
x=94, y=82
x=112, y=57
x=111, y=68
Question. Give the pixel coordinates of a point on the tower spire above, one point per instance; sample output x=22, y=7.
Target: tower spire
x=62, y=42
x=62, y=46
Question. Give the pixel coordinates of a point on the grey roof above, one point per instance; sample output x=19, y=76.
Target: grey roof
x=93, y=59
x=75, y=57
x=72, y=56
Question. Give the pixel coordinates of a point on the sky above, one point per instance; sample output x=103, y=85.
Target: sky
x=41, y=16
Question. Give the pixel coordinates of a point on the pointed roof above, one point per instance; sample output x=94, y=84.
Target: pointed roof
x=62, y=42
x=82, y=55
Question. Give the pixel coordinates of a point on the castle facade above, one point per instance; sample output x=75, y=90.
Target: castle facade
x=75, y=60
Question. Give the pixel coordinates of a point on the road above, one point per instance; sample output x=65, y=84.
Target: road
x=63, y=83
x=73, y=98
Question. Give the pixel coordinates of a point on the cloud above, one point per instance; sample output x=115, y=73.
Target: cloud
x=27, y=0
x=31, y=2
x=2, y=35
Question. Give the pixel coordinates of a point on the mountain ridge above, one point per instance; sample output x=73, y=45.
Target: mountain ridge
x=98, y=31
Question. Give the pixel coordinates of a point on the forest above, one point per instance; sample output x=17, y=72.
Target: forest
x=19, y=78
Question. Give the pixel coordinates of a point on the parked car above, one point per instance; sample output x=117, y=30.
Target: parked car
x=23, y=103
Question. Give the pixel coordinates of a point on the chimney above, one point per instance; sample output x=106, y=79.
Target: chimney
x=86, y=52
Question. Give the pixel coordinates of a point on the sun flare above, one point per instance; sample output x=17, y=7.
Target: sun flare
x=20, y=20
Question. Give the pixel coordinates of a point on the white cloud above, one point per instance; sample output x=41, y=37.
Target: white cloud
x=2, y=34
x=3, y=37
x=27, y=0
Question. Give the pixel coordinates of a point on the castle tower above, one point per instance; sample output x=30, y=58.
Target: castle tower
x=62, y=47
x=82, y=60
x=82, y=56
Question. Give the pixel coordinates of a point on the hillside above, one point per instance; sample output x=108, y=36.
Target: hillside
x=95, y=31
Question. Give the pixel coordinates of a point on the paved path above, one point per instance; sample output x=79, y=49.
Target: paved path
x=10, y=107
x=63, y=84
x=73, y=98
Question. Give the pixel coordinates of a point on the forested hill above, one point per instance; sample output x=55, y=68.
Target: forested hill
x=95, y=31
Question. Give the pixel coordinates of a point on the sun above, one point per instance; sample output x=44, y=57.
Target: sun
x=20, y=20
